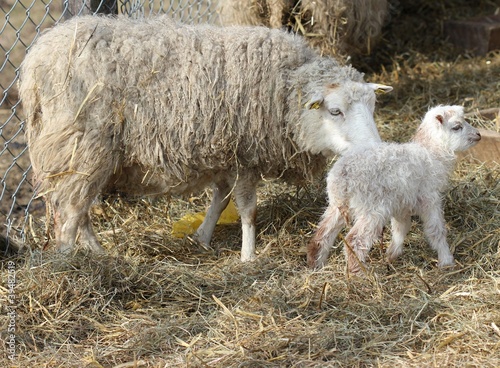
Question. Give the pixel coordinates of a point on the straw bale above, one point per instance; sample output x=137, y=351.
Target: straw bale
x=333, y=26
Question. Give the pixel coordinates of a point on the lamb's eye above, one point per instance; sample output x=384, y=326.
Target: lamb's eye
x=335, y=112
x=457, y=127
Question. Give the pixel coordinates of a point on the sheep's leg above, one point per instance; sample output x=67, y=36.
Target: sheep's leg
x=245, y=194
x=67, y=224
x=435, y=231
x=359, y=241
x=68, y=220
x=220, y=199
x=88, y=235
x=57, y=224
x=321, y=244
x=400, y=226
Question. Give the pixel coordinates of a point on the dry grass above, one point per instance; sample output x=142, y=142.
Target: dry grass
x=156, y=301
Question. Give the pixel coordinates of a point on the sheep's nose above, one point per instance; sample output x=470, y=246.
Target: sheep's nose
x=478, y=136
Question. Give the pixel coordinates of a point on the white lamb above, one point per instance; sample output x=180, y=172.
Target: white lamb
x=391, y=180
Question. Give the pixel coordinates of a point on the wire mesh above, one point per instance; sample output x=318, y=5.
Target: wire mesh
x=23, y=21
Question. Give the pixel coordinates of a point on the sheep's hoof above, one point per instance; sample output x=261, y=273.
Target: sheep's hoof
x=446, y=264
x=200, y=239
x=248, y=258
x=96, y=248
x=195, y=240
x=64, y=249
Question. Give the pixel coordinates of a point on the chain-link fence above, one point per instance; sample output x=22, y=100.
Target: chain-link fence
x=23, y=22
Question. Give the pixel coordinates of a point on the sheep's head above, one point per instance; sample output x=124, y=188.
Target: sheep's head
x=448, y=128
x=339, y=117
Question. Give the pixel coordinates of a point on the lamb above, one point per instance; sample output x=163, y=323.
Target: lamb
x=153, y=107
x=391, y=180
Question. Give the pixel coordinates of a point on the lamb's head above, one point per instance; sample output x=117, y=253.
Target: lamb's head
x=338, y=117
x=446, y=126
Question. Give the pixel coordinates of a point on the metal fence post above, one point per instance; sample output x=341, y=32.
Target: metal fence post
x=85, y=7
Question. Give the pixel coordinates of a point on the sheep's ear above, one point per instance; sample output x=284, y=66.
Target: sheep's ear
x=315, y=101
x=440, y=118
x=381, y=88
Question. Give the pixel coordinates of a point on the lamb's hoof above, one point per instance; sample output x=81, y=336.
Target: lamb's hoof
x=446, y=260
x=316, y=261
x=315, y=264
x=359, y=269
x=392, y=256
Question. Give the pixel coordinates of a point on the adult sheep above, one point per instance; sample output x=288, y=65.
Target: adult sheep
x=154, y=107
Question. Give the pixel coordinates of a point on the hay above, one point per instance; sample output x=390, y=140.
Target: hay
x=166, y=302
x=156, y=301
x=336, y=27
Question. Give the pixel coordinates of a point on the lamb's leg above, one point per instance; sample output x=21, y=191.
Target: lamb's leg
x=220, y=199
x=320, y=245
x=435, y=231
x=245, y=194
x=400, y=225
x=359, y=241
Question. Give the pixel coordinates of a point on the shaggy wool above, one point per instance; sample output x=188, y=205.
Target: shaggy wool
x=142, y=106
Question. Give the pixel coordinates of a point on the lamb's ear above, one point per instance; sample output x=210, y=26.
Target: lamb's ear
x=382, y=88
x=315, y=101
x=440, y=118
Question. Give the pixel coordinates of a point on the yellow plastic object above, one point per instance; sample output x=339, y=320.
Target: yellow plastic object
x=188, y=224
x=229, y=215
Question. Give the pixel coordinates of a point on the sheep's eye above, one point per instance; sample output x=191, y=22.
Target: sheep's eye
x=335, y=112
x=457, y=127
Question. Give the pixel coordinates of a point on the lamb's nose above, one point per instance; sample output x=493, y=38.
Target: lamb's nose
x=478, y=136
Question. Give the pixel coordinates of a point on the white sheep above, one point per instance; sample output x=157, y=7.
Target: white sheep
x=149, y=107
x=389, y=180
